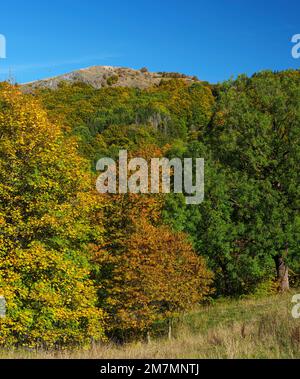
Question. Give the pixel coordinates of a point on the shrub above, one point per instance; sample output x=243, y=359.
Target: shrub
x=112, y=80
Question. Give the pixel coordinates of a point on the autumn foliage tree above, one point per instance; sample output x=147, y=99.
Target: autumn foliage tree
x=156, y=278
x=45, y=205
x=147, y=273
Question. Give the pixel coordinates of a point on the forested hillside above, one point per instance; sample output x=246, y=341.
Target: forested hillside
x=78, y=267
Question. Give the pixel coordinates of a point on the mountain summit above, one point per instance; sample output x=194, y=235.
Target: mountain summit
x=108, y=76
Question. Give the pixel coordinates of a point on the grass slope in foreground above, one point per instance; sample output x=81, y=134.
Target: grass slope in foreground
x=248, y=328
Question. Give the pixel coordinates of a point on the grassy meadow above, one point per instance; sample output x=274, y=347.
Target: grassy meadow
x=245, y=328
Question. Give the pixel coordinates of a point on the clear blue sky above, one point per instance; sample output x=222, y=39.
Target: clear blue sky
x=212, y=39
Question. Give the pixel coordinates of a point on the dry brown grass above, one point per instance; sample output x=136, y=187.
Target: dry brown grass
x=249, y=328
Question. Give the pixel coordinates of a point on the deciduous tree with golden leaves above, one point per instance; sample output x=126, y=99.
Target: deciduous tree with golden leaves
x=45, y=205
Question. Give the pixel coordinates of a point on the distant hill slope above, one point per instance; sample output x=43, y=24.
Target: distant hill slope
x=104, y=76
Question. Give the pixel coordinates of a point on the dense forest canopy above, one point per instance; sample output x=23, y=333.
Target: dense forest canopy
x=77, y=266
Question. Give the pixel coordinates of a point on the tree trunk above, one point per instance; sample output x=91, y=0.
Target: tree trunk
x=282, y=273
x=170, y=330
x=148, y=337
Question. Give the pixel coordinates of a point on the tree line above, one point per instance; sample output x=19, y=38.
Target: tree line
x=77, y=266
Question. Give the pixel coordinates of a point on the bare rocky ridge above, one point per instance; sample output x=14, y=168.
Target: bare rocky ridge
x=107, y=76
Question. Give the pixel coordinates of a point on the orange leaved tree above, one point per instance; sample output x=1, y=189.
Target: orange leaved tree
x=146, y=273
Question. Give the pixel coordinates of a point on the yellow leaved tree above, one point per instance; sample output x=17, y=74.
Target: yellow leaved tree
x=45, y=208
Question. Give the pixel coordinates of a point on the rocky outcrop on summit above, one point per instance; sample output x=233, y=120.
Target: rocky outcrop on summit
x=107, y=76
